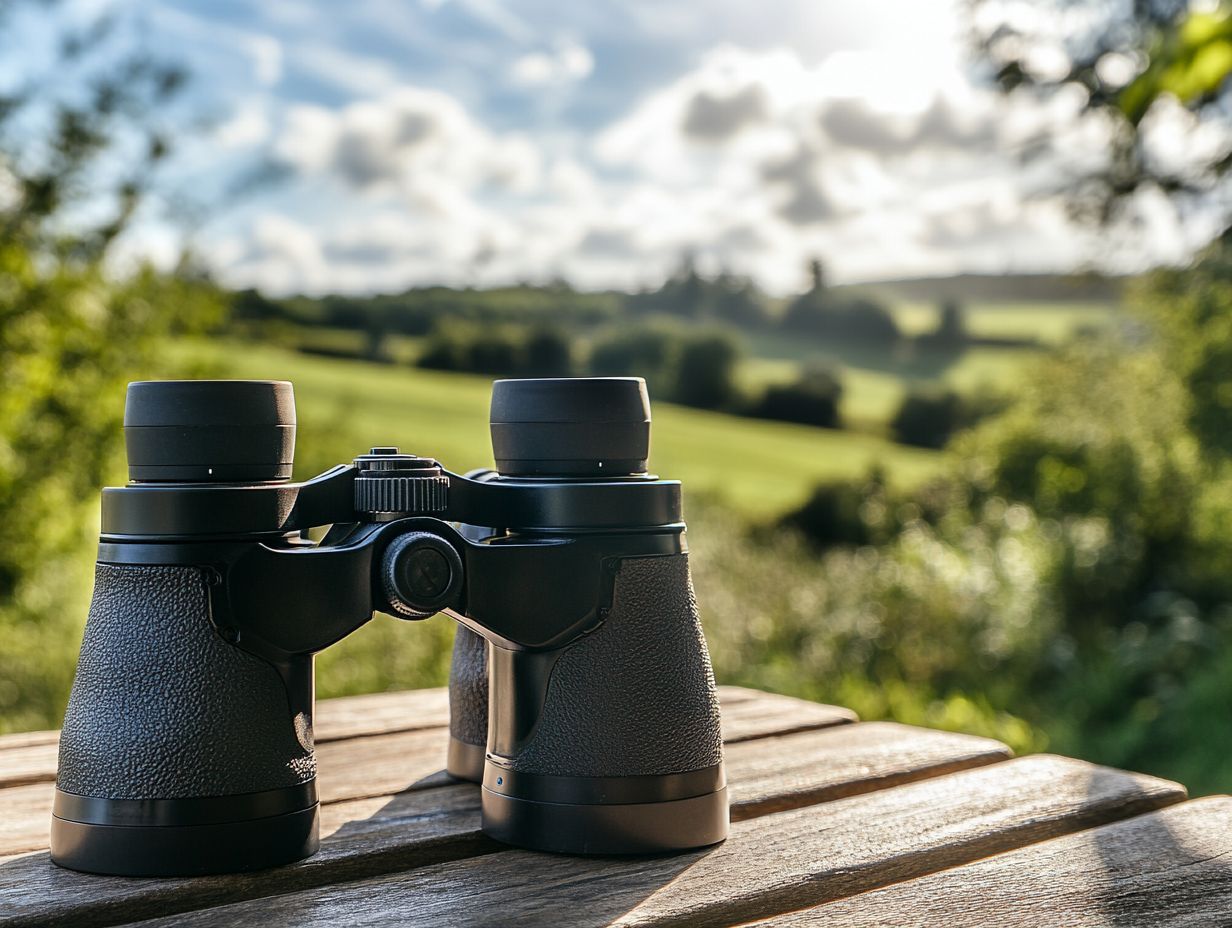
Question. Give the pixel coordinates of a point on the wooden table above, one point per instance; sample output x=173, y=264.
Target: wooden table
x=835, y=823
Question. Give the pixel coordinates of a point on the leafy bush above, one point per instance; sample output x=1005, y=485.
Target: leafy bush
x=825, y=314
x=846, y=512
x=687, y=293
x=497, y=350
x=928, y=417
x=706, y=372
x=69, y=342
x=642, y=351
x=71, y=335
x=692, y=369
x=493, y=351
x=547, y=353
x=813, y=399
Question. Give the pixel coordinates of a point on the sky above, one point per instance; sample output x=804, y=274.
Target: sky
x=373, y=145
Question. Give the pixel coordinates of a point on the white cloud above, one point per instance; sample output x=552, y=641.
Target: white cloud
x=883, y=165
x=418, y=141
x=569, y=61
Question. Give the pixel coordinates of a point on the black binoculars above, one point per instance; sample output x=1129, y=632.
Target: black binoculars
x=581, y=693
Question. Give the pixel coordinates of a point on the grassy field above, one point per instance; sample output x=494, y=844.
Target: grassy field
x=759, y=468
x=1049, y=322
x=875, y=379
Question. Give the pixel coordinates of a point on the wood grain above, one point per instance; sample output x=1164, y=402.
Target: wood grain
x=1168, y=869
x=30, y=757
x=772, y=864
x=380, y=765
x=430, y=823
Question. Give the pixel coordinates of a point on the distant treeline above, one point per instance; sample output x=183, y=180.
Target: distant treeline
x=724, y=299
x=684, y=337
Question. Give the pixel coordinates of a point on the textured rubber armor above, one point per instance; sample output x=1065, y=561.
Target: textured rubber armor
x=163, y=708
x=468, y=688
x=637, y=696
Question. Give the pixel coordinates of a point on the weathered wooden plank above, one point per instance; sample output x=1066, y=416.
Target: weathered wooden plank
x=1167, y=869
x=799, y=770
x=766, y=777
x=31, y=757
x=772, y=864
x=23, y=739
x=755, y=714
x=357, y=767
x=384, y=834
x=29, y=763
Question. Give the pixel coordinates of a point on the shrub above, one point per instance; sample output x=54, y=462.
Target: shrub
x=493, y=351
x=706, y=372
x=547, y=353
x=842, y=317
x=844, y=512
x=447, y=349
x=928, y=417
x=813, y=399
x=646, y=351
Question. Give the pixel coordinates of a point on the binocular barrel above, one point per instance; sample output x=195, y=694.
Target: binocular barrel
x=581, y=693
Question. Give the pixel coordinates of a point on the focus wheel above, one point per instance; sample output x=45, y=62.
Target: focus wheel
x=421, y=574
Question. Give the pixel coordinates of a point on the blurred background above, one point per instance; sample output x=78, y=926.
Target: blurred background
x=934, y=299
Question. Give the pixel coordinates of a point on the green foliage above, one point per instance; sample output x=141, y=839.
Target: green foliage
x=547, y=353
x=846, y=512
x=1190, y=312
x=812, y=399
x=923, y=628
x=1125, y=60
x=833, y=316
x=507, y=350
x=687, y=293
x=70, y=337
x=646, y=351
x=69, y=341
x=928, y=417
x=1091, y=523
x=706, y=372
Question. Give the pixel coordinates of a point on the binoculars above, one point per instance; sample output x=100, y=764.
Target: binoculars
x=581, y=692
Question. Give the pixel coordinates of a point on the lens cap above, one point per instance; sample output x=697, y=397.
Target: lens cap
x=212, y=431
x=571, y=427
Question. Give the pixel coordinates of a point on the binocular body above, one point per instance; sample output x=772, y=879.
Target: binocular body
x=581, y=693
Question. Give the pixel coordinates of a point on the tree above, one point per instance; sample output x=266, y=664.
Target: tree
x=547, y=353
x=1127, y=62
x=817, y=276
x=737, y=300
x=706, y=372
x=813, y=399
x=951, y=330
x=70, y=337
x=927, y=418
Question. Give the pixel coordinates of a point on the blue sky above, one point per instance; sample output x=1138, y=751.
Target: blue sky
x=481, y=141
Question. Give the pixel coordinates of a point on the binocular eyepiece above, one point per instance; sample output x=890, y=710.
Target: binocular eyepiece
x=581, y=694
x=210, y=431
